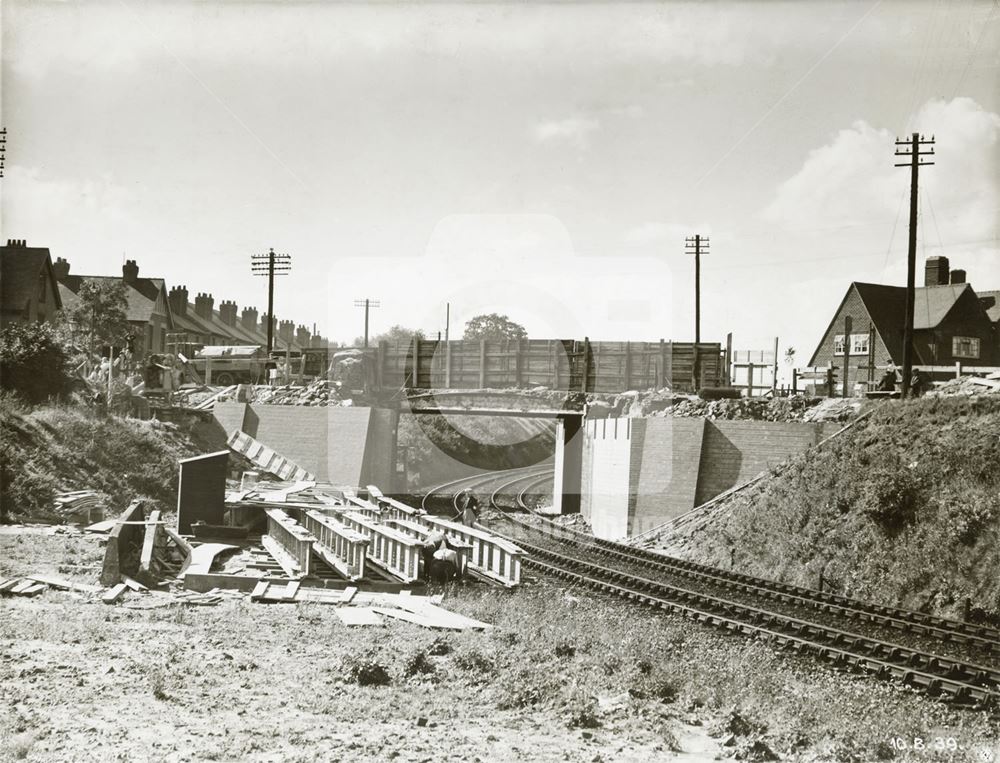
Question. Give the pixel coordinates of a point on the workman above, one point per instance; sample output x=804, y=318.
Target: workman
x=468, y=507
x=888, y=381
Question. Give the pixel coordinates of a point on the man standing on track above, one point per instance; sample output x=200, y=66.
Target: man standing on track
x=468, y=507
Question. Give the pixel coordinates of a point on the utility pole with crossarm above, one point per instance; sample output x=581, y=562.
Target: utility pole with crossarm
x=913, y=153
x=270, y=265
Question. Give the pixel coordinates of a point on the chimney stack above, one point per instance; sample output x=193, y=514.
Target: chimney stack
x=227, y=312
x=130, y=271
x=203, y=305
x=60, y=268
x=286, y=330
x=16, y=243
x=958, y=276
x=302, y=336
x=178, y=299
x=249, y=318
x=936, y=271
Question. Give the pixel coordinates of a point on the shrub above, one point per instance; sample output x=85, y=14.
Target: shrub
x=891, y=497
x=418, y=664
x=367, y=671
x=32, y=362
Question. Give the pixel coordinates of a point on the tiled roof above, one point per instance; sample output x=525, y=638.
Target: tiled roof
x=140, y=294
x=20, y=269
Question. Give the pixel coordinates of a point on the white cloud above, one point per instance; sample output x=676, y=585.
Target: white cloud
x=851, y=182
x=575, y=130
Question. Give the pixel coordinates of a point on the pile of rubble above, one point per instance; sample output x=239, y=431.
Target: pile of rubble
x=967, y=386
x=319, y=392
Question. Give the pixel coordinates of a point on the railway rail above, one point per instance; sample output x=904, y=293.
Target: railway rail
x=555, y=550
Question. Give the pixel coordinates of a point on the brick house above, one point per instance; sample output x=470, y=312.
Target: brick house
x=951, y=324
x=29, y=292
x=147, y=310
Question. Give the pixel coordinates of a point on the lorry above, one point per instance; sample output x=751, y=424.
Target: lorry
x=224, y=365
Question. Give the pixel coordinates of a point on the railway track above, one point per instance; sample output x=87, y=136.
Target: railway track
x=800, y=618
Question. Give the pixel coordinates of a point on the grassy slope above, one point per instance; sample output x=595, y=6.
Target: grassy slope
x=903, y=509
x=563, y=676
x=55, y=448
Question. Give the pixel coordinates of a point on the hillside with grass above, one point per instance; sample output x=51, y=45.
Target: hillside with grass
x=902, y=509
x=47, y=449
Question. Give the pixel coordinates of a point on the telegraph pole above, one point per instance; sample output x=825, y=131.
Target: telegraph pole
x=367, y=304
x=3, y=148
x=696, y=245
x=447, y=319
x=913, y=153
x=270, y=265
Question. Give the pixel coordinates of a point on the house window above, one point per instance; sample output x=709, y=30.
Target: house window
x=838, y=344
x=965, y=347
x=859, y=344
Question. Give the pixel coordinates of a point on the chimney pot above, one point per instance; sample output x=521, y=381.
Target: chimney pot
x=958, y=276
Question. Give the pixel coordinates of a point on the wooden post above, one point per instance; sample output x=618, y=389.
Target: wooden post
x=447, y=364
x=302, y=367
x=111, y=372
x=482, y=364
x=728, y=378
x=628, y=365
x=829, y=381
x=795, y=381
x=669, y=372
x=554, y=360
x=586, y=363
x=774, y=370
x=749, y=377
x=958, y=369
x=848, y=325
x=871, y=354
x=661, y=366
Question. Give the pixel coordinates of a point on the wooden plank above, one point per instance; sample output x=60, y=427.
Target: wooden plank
x=23, y=585
x=290, y=590
x=416, y=619
x=9, y=584
x=64, y=584
x=423, y=607
x=352, y=616
x=114, y=594
x=201, y=557
x=135, y=585
x=259, y=590
x=349, y=593
x=182, y=544
x=33, y=590
x=147, y=563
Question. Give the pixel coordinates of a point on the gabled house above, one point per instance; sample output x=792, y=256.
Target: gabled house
x=29, y=292
x=147, y=310
x=951, y=323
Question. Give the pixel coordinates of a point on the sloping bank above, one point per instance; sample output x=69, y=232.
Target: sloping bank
x=902, y=509
x=47, y=449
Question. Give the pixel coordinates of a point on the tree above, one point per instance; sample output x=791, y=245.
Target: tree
x=32, y=361
x=397, y=335
x=100, y=313
x=494, y=326
x=790, y=356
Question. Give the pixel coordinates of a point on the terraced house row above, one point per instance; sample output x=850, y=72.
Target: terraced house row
x=34, y=289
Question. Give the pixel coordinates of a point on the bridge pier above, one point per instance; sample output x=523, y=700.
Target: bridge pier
x=567, y=485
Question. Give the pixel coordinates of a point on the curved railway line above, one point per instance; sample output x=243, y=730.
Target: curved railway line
x=937, y=655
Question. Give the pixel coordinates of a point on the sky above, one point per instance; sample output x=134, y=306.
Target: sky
x=545, y=161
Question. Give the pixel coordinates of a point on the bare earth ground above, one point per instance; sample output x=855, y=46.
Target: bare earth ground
x=562, y=676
